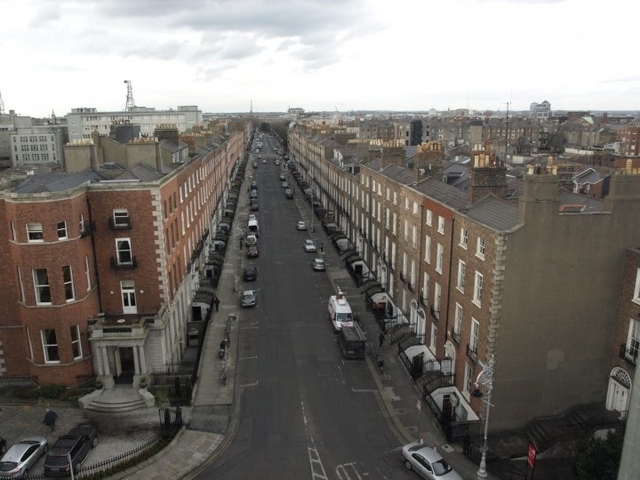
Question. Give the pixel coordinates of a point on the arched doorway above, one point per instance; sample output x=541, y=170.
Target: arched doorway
x=619, y=391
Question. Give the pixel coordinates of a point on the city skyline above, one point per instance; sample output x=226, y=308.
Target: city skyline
x=345, y=55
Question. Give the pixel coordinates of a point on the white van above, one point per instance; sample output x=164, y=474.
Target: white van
x=253, y=228
x=339, y=311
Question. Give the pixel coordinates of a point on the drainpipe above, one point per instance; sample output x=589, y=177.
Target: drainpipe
x=451, y=243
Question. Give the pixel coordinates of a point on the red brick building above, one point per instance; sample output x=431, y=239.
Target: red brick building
x=100, y=266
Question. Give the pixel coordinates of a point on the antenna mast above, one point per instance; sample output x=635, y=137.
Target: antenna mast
x=130, y=101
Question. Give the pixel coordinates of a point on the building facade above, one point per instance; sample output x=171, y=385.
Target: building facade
x=497, y=270
x=103, y=269
x=83, y=121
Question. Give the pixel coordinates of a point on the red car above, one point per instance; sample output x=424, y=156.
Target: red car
x=252, y=251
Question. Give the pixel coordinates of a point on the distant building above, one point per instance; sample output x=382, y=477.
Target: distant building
x=37, y=145
x=540, y=110
x=629, y=138
x=83, y=121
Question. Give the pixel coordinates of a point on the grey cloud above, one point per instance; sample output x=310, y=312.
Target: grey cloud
x=313, y=25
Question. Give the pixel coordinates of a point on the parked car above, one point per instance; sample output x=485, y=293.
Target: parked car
x=252, y=251
x=76, y=444
x=22, y=456
x=264, y=160
x=249, y=298
x=255, y=164
x=427, y=462
x=285, y=184
x=318, y=265
x=254, y=205
x=288, y=193
x=250, y=274
x=309, y=245
x=301, y=225
x=282, y=177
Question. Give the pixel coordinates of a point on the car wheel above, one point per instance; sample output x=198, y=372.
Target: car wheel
x=25, y=474
x=407, y=464
x=94, y=442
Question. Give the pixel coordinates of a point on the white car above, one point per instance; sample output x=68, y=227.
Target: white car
x=301, y=225
x=309, y=246
x=427, y=463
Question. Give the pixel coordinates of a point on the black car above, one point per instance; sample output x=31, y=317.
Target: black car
x=250, y=274
x=76, y=444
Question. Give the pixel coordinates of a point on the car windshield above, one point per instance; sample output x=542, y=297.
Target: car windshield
x=441, y=467
x=344, y=317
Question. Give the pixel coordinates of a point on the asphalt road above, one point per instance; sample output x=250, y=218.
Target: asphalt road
x=304, y=411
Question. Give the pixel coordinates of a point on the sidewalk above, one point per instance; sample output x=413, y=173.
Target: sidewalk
x=209, y=419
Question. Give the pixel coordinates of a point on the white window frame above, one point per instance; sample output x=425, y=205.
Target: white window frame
x=480, y=247
x=462, y=270
x=636, y=290
x=40, y=288
x=128, y=297
x=46, y=346
x=468, y=377
x=439, y=258
x=35, y=233
x=464, y=238
x=457, y=325
x=425, y=288
x=475, y=334
x=441, y=222
x=434, y=337
x=61, y=227
x=76, y=342
x=427, y=249
x=121, y=217
x=632, y=345
x=437, y=299
x=120, y=250
x=477, y=288
x=429, y=216
x=67, y=280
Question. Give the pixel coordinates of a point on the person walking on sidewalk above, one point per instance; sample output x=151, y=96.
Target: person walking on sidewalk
x=216, y=302
x=381, y=339
x=50, y=419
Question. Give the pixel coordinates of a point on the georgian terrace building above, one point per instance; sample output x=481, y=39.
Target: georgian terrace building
x=101, y=266
x=527, y=272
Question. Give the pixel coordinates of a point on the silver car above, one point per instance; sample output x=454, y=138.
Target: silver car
x=22, y=456
x=249, y=298
x=427, y=463
x=309, y=246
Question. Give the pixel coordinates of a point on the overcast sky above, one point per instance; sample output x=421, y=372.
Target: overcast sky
x=328, y=55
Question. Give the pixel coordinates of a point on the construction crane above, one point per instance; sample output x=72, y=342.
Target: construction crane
x=130, y=101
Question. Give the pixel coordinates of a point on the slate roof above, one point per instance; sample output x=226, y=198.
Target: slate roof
x=141, y=172
x=494, y=213
x=446, y=194
x=56, y=182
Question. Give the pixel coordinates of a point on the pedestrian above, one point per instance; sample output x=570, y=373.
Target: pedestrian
x=50, y=419
x=216, y=302
x=241, y=242
x=381, y=339
x=321, y=247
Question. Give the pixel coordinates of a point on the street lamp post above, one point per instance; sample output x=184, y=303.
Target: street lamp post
x=485, y=378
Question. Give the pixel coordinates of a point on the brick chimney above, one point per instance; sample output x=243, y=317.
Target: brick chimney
x=392, y=154
x=429, y=161
x=487, y=175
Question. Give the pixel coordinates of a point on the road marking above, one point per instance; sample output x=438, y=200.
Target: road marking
x=342, y=469
x=249, y=384
x=248, y=358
